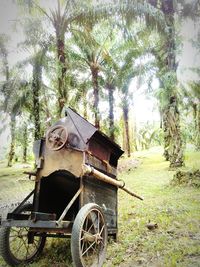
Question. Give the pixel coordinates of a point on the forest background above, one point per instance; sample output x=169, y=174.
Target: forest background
x=130, y=67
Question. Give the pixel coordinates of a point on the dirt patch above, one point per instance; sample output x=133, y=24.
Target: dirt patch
x=128, y=164
x=12, y=193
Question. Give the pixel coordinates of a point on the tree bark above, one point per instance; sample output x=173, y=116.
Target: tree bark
x=172, y=140
x=134, y=136
x=25, y=143
x=167, y=136
x=96, y=97
x=126, y=125
x=85, y=112
x=62, y=97
x=12, y=143
x=111, y=88
x=36, y=86
x=197, y=130
x=47, y=111
x=175, y=144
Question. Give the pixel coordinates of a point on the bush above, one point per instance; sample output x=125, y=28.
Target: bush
x=191, y=178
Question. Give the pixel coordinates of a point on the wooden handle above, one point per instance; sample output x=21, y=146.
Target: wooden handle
x=105, y=178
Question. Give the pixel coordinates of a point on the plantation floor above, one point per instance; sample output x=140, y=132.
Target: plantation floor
x=176, y=210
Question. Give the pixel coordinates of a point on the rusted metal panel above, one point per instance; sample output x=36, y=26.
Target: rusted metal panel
x=106, y=148
x=83, y=127
x=104, y=195
x=64, y=159
x=99, y=150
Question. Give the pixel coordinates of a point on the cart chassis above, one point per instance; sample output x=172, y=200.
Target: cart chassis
x=39, y=221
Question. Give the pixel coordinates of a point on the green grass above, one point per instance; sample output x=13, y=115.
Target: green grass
x=176, y=210
x=14, y=185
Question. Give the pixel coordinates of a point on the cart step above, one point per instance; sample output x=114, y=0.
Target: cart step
x=17, y=216
x=40, y=216
x=35, y=216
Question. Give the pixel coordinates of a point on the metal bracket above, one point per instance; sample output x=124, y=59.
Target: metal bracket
x=22, y=203
x=69, y=205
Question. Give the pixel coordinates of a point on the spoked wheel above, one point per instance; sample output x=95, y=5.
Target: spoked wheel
x=89, y=237
x=14, y=245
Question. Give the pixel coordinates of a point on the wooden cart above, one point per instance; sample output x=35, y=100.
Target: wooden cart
x=75, y=195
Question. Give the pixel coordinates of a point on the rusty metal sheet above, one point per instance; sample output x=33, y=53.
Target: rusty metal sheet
x=84, y=128
x=64, y=159
x=105, y=196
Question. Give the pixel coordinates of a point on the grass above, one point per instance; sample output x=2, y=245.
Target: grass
x=14, y=185
x=176, y=210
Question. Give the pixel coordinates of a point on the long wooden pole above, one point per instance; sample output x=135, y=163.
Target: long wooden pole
x=88, y=170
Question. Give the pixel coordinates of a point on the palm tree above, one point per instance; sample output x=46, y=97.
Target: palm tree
x=91, y=54
x=193, y=95
x=120, y=61
x=166, y=59
x=85, y=12
x=38, y=44
x=7, y=92
x=14, y=95
x=58, y=17
x=110, y=86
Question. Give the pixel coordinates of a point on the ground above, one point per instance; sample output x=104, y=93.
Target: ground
x=176, y=210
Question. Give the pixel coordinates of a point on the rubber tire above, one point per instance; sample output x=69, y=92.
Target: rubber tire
x=76, y=229
x=5, y=245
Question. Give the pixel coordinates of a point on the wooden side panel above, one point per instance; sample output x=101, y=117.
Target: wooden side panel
x=105, y=196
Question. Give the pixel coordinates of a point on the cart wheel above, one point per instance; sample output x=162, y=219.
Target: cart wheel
x=14, y=246
x=89, y=237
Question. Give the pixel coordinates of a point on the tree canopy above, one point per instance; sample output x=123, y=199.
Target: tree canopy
x=97, y=56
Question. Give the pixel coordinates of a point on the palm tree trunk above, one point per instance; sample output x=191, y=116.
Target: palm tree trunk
x=197, y=129
x=167, y=136
x=126, y=125
x=111, y=88
x=12, y=143
x=85, y=111
x=194, y=107
x=173, y=126
x=25, y=143
x=134, y=135
x=47, y=111
x=36, y=85
x=96, y=97
x=176, y=157
x=172, y=136
x=62, y=97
